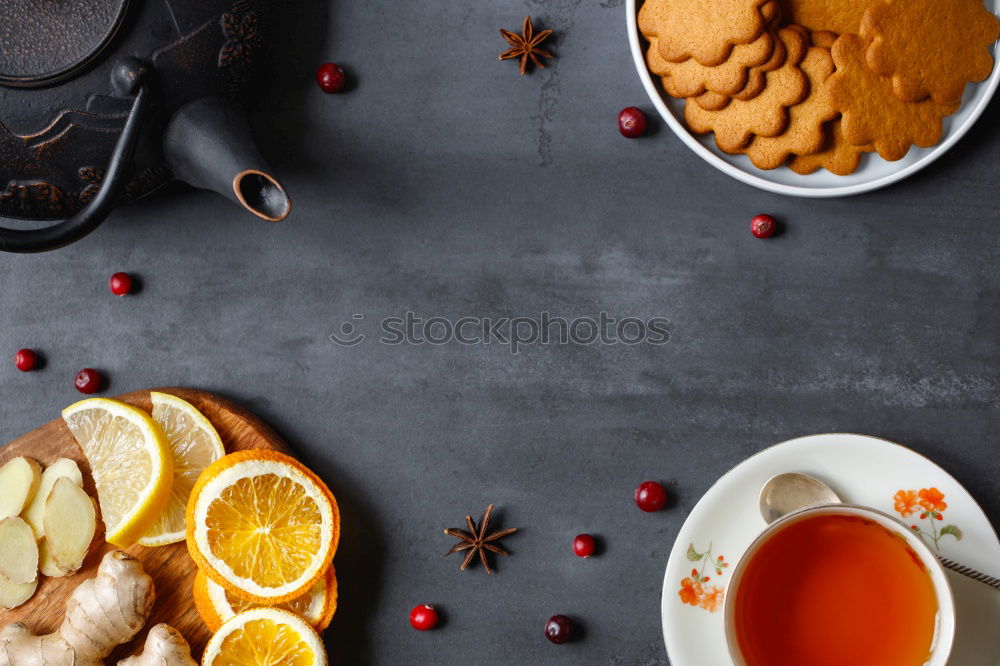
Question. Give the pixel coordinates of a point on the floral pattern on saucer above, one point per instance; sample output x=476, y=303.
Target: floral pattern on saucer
x=694, y=589
x=931, y=505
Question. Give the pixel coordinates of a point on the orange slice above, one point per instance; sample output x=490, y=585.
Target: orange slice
x=265, y=637
x=216, y=606
x=262, y=526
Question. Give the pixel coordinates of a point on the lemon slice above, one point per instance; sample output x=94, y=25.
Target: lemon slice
x=216, y=606
x=265, y=637
x=262, y=525
x=130, y=460
x=194, y=445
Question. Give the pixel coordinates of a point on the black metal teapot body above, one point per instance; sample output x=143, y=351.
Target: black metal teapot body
x=104, y=101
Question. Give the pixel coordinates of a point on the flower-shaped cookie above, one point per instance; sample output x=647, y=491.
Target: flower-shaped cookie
x=930, y=47
x=764, y=115
x=690, y=78
x=713, y=101
x=872, y=113
x=805, y=133
x=705, y=30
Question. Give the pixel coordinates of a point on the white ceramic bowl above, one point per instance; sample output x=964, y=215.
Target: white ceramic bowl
x=944, y=636
x=873, y=173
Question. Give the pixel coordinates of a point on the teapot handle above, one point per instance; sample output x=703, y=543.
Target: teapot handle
x=130, y=77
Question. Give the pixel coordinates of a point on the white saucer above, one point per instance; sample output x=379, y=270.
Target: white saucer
x=873, y=172
x=862, y=470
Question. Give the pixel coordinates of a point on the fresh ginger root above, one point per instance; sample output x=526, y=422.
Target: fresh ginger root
x=165, y=646
x=101, y=614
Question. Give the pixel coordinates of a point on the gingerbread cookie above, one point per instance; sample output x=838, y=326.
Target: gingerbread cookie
x=690, y=78
x=711, y=101
x=930, y=48
x=764, y=115
x=805, y=120
x=705, y=30
x=872, y=112
x=837, y=156
x=837, y=15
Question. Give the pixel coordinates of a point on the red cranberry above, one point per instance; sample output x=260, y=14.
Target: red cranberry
x=120, y=284
x=330, y=77
x=26, y=360
x=763, y=226
x=559, y=629
x=88, y=381
x=584, y=545
x=631, y=122
x=650, y=496
x=423, y=617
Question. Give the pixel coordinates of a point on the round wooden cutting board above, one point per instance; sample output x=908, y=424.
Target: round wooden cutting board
x=171, y=567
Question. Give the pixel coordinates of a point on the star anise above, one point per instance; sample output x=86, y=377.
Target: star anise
x=526, y=45
x=478, y=540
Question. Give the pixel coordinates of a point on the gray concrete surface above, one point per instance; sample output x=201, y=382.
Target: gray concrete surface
x=446, y=185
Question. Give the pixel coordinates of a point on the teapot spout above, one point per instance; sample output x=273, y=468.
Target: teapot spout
x=261, y=194
x=208, y=145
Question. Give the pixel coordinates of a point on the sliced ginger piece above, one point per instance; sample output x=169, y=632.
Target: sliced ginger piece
x=18, y=551
x=13, y=595
x=64, y=467
x=70, y=523
x=19, y=480
x=46, y=564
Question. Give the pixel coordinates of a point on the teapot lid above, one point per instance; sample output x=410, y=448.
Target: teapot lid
x=45, y=42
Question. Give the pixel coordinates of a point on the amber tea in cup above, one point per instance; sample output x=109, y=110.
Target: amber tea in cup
x=836, y=588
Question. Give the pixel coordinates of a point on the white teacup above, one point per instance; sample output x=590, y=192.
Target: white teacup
x=944, y=633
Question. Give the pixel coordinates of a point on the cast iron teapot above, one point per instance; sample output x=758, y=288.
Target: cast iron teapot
x=104, y=101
